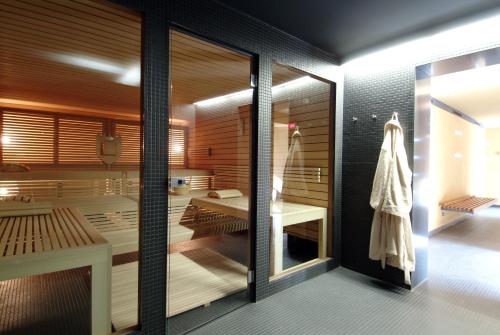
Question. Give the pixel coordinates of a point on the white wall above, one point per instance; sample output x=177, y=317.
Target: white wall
x=457, y=151
x=492, y=163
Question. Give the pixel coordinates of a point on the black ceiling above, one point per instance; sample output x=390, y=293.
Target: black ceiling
x=347, y=27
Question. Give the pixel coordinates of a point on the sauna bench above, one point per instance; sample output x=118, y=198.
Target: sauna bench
x=468, y=204
x=36, y=244
x=116, y=218
x=282, y=214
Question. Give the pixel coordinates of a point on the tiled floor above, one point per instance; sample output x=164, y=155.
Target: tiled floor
x=56, y=303
x=462, y=295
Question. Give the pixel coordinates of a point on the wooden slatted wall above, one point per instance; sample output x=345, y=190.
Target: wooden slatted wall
x=177, y=147
x=21, y=143
x=309, y=109
x=220, y=138
x=37, y=34
x=52, y=140
x=77, y=141
x=219, y=141
x=131, y=142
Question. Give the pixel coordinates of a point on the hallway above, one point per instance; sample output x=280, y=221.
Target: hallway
x=462, y=295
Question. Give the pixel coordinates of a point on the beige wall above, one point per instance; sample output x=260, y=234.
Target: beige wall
x=492, y=163
x=456, y=163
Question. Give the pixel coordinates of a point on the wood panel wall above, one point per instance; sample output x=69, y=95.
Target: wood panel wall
x=309, y=109
x=220, y=138
x=219, y=141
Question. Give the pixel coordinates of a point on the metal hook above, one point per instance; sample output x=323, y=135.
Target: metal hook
x=354, y=119
x=374, y=117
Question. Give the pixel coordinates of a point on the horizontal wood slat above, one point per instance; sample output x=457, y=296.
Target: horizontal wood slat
x=55, y=139
x=468, y=204
x=27, y=138
x=177, y=147
x=77, y=141
x=34, y=35
x=131, y=142
x=63, y=228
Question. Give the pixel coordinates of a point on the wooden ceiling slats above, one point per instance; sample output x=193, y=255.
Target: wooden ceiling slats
x=197, y=48
x=85, y=11
x=63, y=17
x=67, y=41
x=108, y=7
x=32, y=30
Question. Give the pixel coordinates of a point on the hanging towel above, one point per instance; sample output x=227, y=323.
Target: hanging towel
x=294, y=169
x=391, y=235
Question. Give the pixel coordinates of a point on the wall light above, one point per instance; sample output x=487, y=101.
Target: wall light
x=4, y=191
x=5, y=139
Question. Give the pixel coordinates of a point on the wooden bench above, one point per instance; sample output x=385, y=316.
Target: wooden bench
x=294, y=178
x=282, y=214
x=468, y=204
x=36, y=244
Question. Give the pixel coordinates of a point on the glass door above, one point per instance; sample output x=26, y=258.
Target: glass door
x=209, y=159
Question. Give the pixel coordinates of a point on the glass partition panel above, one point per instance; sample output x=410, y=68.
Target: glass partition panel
x=300, y=164
x=209, y=154
x=69, y=167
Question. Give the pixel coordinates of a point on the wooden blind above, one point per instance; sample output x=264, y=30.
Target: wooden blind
x=77, y=141
x=27, y=138
x=131, y=142
x=177, y=149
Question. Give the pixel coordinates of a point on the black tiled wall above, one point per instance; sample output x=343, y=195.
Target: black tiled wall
x=219, y=23
x=213, y=21
x=381, y=94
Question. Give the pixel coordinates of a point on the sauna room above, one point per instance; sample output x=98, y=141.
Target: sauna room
x=70, y=173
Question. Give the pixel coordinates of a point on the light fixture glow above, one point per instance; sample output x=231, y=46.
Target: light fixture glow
x=88, y=63
x=4, y=191
x=474, y=35
x=246, y=93
x=223, y=98
x=292, y=83
x=130, y=76
x=177, y=148
x=5, y=139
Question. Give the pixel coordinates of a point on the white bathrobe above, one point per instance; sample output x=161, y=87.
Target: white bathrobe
x=391, y=234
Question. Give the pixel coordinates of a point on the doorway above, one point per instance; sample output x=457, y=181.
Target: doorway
x=210, y=129
x=456, y=169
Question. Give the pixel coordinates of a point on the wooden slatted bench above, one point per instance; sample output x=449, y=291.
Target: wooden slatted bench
x=468, y=204
x=37, y=244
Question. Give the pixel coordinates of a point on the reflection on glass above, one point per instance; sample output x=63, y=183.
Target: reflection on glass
x=300, y=169
x=209, y=180
x=69, y=167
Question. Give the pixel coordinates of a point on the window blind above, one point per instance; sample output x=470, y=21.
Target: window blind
x=77, y=141
x=177, y=142
x=27, y=138
x=131, y=142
